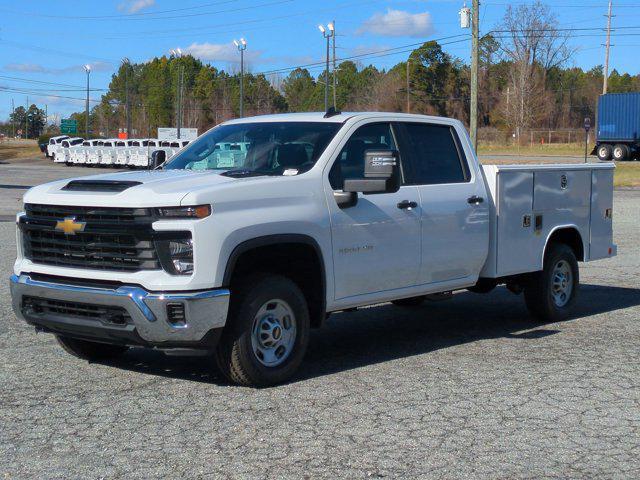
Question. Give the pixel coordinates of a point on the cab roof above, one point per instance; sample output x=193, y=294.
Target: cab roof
x=320, y=117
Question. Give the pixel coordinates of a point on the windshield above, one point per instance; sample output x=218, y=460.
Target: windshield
x=269, y=148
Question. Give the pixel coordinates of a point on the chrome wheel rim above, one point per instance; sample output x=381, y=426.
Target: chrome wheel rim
x=603, y=152
x=561, y=283
x=273, y=333
x=617, y=153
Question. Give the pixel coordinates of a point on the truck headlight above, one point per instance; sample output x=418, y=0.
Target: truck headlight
x=198, y=211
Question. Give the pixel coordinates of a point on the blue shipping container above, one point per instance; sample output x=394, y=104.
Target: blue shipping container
x=619, y=117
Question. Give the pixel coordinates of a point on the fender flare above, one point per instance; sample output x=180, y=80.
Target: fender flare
x=557, y=228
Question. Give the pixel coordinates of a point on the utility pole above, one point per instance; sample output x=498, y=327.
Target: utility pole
x=606, y=54
x=178, y=53
x=335, y=102
x=327, y=34
x=241, y=46
x=473, y=121
x=408, y=92
x=127, y=66
x=13, y=120
x=87, y=68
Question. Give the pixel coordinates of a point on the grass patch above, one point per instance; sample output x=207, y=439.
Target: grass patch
x=627, y=174
x=573, y=149
x=16, y=149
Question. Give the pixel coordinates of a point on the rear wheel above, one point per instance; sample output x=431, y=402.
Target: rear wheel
x=604, y=152
x=551, y=293
x=410, y=302
x=620, y=152
x=267, y=334
x=91, y=351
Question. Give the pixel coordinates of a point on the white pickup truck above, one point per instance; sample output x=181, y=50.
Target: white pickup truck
x=323, y=212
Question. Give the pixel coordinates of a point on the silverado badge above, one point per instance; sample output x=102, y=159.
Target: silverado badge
x=70, y=226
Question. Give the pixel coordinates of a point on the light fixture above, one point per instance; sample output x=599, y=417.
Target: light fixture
x=321, y=28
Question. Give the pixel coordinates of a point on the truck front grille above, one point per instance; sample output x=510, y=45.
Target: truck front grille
x=46, y=307
x=116, y=239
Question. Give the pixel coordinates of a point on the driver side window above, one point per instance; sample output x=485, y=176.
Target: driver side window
x=350, y=161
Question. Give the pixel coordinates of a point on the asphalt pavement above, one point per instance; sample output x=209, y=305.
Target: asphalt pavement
x=471, y=387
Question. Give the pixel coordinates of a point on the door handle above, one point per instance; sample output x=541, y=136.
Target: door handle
x=406, y=204
x=475, y=200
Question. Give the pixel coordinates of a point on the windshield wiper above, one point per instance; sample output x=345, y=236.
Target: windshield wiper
x=243, y=172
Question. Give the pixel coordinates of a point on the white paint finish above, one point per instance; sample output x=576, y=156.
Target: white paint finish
x=376, y=245
x=414, y=252
x=601, y=230
x=519, y=190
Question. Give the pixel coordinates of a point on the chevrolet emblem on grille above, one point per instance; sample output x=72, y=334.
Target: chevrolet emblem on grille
x=70, y=226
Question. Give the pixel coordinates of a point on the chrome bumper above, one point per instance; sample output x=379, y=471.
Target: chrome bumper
x=203, y=311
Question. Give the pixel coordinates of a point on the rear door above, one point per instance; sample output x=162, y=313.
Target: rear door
x=453, y=205
x=376, y=243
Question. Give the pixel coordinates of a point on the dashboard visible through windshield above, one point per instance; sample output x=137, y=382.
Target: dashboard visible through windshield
x=264, y=148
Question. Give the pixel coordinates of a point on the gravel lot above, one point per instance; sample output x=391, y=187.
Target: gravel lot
x=469, y=388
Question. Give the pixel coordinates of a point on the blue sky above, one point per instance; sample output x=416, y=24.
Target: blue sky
x=43, y=43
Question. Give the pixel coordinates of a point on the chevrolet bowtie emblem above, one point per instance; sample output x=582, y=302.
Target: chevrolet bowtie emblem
x=69, y=226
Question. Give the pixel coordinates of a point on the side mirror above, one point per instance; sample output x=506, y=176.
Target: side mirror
x=158, y=157
x=381, y=173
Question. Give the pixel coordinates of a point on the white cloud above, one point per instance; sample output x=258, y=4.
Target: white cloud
x=133, y=6
x=37, y=68
x=398, y=23
x=25, y=67
x=219, y=52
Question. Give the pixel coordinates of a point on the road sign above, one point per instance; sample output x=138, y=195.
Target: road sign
x=68, y=126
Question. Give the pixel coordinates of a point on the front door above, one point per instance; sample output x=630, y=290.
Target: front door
x=376, y=243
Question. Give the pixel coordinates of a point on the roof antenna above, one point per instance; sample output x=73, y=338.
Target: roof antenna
x=332, y=112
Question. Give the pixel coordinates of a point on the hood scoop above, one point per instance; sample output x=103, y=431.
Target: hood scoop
x=99, y=185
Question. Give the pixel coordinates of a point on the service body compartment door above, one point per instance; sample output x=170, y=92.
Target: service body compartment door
x=515, y=224
x=601, y=234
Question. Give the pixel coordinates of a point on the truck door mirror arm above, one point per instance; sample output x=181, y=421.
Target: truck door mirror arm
x=345, y=199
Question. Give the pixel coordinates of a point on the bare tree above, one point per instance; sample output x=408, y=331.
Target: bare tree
x=531, y=40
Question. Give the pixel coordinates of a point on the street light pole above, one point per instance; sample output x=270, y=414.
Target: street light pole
x=327, y=33
x=241, y=46
x=87, y=68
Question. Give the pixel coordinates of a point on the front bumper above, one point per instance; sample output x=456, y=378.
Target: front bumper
x=149, y=322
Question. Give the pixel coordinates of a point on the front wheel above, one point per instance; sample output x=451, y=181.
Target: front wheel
x=551, y=293
x=91, y=351
x=267, y=333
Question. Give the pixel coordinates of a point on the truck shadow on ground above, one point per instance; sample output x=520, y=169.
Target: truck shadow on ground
x=382, y=333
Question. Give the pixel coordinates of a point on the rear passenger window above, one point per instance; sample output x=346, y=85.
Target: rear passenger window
x=434, y=155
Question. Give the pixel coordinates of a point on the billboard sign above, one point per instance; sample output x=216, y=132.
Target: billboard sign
x=172, y=134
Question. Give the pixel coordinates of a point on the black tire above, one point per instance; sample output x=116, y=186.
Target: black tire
x=539, y=291
x=91, y=351
x=236, y=357
x=410, y=302
x=620, y=152
x=604, y=152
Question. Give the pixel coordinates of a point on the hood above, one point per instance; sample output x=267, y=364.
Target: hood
x=140, y=188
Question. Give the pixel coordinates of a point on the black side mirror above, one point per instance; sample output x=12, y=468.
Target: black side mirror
x=381, y=173
x=158, y=157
